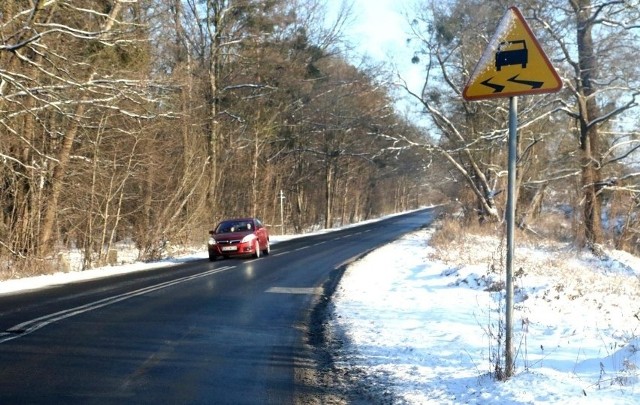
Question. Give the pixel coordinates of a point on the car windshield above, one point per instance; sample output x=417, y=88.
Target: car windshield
x=234, y=226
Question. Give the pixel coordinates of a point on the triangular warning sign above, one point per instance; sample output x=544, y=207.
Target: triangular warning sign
x=513, y=64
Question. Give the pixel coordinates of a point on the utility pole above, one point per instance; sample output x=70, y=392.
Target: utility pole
x=281, y=197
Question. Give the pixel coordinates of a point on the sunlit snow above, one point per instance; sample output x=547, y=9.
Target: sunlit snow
x=427, y=331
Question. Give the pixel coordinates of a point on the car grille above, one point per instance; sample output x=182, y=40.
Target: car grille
x=228, y=242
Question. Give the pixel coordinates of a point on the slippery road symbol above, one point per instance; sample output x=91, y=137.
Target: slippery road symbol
x=497, y=88
x=513, y=63
x=512, y=53
x=533, y=84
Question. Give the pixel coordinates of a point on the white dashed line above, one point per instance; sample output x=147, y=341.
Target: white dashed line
x=296, y=290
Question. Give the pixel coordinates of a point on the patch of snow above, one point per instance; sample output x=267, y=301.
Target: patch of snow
x=426, y=329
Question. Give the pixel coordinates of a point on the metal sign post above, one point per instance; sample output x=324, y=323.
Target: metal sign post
x=510, y=218
x=513, y=64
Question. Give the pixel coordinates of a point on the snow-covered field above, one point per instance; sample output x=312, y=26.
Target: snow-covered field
x=422, y=324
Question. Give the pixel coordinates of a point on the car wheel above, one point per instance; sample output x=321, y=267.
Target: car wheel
x=212, y=257
x=267, y=250
x=256, y=247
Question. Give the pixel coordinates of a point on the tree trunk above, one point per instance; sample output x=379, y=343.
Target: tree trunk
x=215, y=27
x=328, y=194
x=589, y=111
x=59, y=171
x=533, y=208
x=254, y=175
x=57, y=182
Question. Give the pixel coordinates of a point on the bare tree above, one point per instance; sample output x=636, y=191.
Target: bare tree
x=146, y=120
x=52, y=82
x=469, y=135
x=588, y=43
x=604, y=88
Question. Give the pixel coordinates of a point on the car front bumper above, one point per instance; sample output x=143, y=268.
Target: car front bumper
x=234, y=249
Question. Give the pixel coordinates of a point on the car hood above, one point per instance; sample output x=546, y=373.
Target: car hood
x=230, y=236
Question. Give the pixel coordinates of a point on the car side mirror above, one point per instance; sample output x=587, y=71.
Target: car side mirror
x=212, y=232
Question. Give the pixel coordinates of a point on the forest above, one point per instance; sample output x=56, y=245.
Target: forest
x=147, y=121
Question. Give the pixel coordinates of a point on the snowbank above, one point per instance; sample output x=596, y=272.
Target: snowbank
x=422, y=325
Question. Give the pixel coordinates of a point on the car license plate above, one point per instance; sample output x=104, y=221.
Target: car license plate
x=229, y=248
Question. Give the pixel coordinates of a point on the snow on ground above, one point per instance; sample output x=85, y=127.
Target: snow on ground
x=422, y=323
x=126, y=266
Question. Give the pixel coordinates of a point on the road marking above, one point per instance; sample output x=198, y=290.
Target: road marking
x=27, y=327
x=296, y=290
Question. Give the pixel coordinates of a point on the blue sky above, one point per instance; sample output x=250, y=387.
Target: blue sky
x=380, y=27
x=379, y=31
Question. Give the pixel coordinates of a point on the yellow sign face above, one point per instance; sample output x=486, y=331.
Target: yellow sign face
x=513, y=64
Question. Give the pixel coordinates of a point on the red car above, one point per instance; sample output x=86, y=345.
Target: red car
x=239, y=237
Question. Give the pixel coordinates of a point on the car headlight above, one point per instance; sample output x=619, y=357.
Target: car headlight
x=248, y=238
x=212, y=242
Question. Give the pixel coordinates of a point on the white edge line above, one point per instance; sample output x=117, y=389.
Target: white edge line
x=27, y=327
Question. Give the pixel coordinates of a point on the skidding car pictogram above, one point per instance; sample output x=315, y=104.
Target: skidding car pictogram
x=512, y=53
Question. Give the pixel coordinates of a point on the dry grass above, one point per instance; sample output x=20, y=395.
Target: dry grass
x=572, y=272
x=452, y=230
x=553, y=231
x=12, y=269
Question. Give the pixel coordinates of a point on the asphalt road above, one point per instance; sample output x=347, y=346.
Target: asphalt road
x=229, y=332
